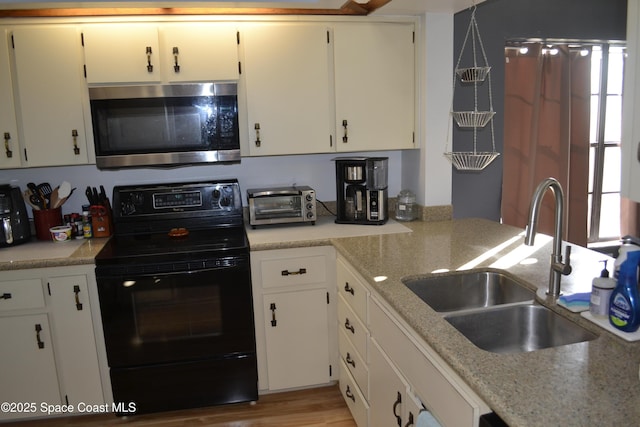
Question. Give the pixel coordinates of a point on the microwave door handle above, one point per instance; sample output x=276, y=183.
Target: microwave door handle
x=8, y=232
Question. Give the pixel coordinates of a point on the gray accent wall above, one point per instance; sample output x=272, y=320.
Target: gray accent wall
x=478, y=194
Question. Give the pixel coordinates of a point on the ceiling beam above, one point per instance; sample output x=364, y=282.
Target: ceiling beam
x=349, y=8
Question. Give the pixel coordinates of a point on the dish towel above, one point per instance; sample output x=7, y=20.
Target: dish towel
x=575, y=302
x=425, y=419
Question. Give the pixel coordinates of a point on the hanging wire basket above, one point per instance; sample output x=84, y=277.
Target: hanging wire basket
x=471, y=161
x=472, y=119
x=473, y=74
x=475, y=119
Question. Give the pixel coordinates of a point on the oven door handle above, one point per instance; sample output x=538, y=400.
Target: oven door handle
x=106, y=274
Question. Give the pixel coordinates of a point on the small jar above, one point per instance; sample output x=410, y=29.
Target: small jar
x=406, y=208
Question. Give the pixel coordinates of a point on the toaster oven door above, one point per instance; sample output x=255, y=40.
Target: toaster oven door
x=275, y=209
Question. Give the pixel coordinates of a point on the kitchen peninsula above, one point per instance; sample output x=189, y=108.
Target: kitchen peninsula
x=588, y=383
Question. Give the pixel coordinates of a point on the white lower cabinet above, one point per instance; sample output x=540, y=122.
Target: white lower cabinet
x=28, y=372
x=49, y=355
x=297, y=338
x=294, y=303
x=396, y=375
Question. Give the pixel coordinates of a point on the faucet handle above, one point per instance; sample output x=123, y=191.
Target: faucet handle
x=566, y=265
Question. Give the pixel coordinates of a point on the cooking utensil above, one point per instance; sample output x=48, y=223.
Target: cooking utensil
x=44, y=190
x=54, y=199
x=27, y=198
x=60, y=194
x=36, y=200
x=64, y=190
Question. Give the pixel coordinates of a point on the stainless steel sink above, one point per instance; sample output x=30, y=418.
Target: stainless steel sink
x=518, y=328
x=461, y=291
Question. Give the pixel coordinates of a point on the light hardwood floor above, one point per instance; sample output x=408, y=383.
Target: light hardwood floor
x=307, y=408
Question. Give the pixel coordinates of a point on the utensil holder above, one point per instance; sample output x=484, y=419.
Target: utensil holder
x=44, y=219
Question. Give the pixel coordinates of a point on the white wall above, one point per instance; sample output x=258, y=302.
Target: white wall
x=429, y=174
x=317, y=171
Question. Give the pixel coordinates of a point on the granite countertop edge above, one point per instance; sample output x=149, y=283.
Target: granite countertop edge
x=596, y=381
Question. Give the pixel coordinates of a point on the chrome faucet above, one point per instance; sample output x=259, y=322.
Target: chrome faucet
x=558, y=268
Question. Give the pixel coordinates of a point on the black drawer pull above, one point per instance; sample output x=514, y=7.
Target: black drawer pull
x=349, y=326
x=349, y=394
x=350, y=361
x=5, y=295
x=76, y=290
x=348, y=288
x=38, y=340
x=293, y=273
x=272, y=307
x=410, y=422
x=395, y=407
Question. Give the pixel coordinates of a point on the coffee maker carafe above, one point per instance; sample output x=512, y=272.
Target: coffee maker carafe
x=361, y=190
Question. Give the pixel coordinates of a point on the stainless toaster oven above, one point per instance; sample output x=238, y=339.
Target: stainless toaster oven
x=281, y=205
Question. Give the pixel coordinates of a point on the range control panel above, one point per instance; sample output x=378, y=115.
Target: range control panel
x=180, y=199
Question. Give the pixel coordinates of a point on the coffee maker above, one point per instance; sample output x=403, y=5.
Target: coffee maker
x=361, y=190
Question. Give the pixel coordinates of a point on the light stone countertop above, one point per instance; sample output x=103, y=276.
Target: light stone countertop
x=592, y=383
x=39, y=254
x=585, y=384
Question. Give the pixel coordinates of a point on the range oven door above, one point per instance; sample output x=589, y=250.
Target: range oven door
x=179, y=340
x=173, y=317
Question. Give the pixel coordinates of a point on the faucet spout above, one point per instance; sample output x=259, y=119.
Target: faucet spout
x=558, y=268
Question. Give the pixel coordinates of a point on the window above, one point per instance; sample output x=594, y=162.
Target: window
x=607, y=69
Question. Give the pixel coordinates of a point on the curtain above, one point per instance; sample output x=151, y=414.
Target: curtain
x=547, y=102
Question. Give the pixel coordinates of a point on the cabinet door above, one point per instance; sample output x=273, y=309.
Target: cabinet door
x=50, y=90
x=9, y=152
x=286, y=68
x=28, y=369
x=122, y=53
x=387, y=391
x=199, y=52
x=374, y=86
x=631, y=107
x=75, y=340
x=297, y=338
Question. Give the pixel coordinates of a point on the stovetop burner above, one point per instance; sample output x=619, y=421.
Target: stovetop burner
x=144, y=216
x=160, y=246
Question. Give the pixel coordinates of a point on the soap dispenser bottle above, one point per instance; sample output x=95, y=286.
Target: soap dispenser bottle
x=624, y=303
x=601, y=290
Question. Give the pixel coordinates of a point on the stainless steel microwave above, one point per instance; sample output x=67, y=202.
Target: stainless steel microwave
x=165, y=125
x=281, y=205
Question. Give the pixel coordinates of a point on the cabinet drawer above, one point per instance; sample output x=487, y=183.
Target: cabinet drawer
x=293, y=271
x=355, y=401
x=436, y=386
x=21, y=294
x=354, y=363
x=353, y=291
x=353, y=328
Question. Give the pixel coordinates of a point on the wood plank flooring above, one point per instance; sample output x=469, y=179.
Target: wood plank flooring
x=316, y=407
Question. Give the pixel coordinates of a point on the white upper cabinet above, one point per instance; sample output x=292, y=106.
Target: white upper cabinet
x=289, y=95
x=154, y=53
x=9, y=152
x=202, y=52
x=374, y=86
x=51, y=95
x=121, y=53
x=631, y=107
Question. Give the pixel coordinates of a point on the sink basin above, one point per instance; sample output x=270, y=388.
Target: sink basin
x=461, y=291
x=518, y=328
